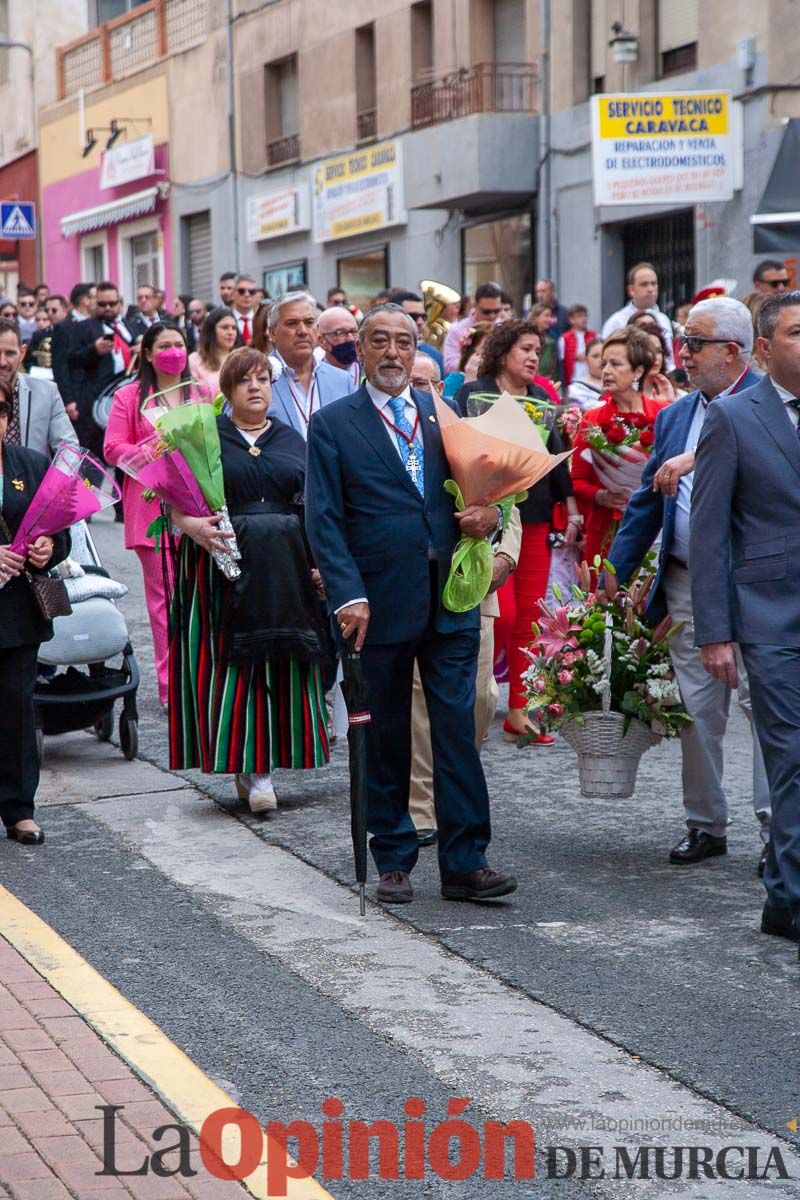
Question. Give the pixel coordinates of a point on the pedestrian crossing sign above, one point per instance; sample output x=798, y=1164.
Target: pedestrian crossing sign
x=17, y=219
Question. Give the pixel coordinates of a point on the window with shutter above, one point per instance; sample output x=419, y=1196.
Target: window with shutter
x=198, y=255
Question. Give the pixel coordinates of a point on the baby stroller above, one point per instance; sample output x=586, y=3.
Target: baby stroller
x=94, y=632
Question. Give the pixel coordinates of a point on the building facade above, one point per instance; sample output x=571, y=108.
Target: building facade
x=27, y=80
x=375, y=143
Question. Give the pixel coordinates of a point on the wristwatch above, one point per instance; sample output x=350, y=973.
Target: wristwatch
x=575, y=519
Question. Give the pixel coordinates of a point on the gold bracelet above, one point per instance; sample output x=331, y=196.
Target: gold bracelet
x=508, y=558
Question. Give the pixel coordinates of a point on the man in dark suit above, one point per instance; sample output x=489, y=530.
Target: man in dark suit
x=100, y=351
x=717, y=342
x=382, y=530
x=744, y=532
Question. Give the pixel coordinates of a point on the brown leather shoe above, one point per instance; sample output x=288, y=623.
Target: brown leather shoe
x=483, y=884
x=697, y=845
x=395, y=888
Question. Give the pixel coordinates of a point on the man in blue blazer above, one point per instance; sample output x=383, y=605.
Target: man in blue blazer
x=746, y=529
x=717, y=342
x=303, y=386
x=382, y=530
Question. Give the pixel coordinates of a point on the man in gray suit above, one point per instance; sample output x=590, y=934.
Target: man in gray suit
x=745, y=531
x=39, y=420
x=303, y=386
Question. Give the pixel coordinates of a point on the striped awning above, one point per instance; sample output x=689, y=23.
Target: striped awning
x=135, y=205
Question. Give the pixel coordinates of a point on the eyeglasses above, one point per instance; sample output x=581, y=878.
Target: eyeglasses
x=347, y=334
x=105, y=303
x=240, y=291
x=695, y=344
x=775, y=283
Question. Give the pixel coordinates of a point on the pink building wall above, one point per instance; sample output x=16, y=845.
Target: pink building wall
x=62, y=256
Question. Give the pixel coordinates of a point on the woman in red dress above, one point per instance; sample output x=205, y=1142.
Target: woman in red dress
x=628, y=355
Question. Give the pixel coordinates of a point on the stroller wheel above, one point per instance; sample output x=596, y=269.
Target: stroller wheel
x=128, y=736
x=40, y=744
x=105, y=726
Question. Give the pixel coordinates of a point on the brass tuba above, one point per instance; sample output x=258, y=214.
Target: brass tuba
x=437, y=296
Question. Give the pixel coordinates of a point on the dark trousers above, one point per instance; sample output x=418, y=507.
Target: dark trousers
x=774, y=674
x=19, y=762
x=447, y=666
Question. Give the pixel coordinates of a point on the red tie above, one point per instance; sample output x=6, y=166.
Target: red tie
x=121, y=346
x=245, y=330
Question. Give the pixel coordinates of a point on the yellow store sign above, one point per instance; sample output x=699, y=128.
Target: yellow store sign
x=664, y=147
x=359, y=192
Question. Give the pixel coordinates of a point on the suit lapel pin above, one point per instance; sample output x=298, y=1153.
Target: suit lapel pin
x=18, y=484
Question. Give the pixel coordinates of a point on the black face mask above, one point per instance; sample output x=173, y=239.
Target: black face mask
x=344, y=353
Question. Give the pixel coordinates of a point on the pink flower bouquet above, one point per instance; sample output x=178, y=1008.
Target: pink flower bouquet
x=74, y=487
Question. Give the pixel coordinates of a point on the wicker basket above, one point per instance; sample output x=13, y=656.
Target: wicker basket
x=608, y=758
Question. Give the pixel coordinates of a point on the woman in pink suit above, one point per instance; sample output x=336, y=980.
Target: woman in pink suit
x=162, y=383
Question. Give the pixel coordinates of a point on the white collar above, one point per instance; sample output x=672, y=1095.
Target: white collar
x=783, y=392
x=381, y=399
x=290, y=371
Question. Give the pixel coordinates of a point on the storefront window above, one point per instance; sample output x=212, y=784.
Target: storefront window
x=288, y=278
x=500, y=252
x=145, y=260
x=363, y=275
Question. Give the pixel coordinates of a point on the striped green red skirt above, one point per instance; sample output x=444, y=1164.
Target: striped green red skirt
x=234, y=717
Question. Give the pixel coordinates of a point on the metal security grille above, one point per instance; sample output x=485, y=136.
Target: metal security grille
x=199, y=274
x=668, y=243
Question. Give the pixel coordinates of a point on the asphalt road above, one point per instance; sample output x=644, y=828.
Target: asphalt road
x=662, y=966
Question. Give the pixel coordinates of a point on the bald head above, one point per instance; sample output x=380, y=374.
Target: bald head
x=335, y=320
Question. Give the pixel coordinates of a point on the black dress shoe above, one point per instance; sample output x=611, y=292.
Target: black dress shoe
x=26, y=837
x=395, y=888
x=779, y=922
x=762, y=862
x=697, y=845
x=427, y=837
x=483, y=884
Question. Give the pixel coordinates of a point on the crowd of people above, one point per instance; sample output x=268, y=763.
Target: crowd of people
x=334, y=470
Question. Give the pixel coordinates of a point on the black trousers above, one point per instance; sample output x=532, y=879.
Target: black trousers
x=447, y=666
x=19, y=762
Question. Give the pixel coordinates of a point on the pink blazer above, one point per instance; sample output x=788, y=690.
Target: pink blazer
x=126, y=428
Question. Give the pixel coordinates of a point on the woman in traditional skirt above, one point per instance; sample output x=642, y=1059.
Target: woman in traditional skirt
x=246, y=656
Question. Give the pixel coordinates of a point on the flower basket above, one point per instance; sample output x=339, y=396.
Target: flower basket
x=608, y=757
x=604, y=679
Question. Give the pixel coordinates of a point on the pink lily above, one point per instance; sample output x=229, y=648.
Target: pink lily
x=556, y=631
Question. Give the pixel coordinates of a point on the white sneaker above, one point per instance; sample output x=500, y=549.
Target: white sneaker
x=262, y=796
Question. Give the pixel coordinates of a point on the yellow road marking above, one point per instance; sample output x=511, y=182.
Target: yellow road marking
x=183, y=1087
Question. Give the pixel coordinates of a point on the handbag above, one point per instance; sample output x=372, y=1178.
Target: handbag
x=49, y=591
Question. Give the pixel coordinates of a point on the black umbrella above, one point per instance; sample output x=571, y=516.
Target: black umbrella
x=354, y=687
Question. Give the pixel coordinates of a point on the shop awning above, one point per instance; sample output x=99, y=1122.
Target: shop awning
x=135, y=205
x=776, y=225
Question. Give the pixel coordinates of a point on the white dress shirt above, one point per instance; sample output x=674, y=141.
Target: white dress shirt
x=620, y=318
x=381, y=400
x=787, y=398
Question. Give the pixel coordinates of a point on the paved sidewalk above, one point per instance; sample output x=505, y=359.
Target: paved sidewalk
x=54, y=1070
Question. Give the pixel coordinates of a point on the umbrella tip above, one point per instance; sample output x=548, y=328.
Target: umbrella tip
x=362, y=899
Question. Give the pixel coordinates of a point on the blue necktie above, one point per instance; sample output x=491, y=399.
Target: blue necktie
x=413, y=456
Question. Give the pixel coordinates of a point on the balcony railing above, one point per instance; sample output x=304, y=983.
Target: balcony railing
x=491, y=87
x=283, y=150
x=367, y=125
x=130, y=43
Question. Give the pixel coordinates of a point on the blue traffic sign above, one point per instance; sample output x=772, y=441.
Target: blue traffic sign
x=17, y=219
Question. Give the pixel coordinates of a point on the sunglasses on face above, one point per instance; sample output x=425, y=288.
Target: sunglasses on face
x=105, y=303
x=776, y=283
x=695, y=344
x=240, y=291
